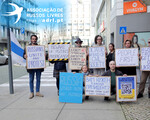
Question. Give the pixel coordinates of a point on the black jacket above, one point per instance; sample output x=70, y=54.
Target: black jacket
x=30, y=70
x=108, y=73
x=110, y=57
x=59, y=65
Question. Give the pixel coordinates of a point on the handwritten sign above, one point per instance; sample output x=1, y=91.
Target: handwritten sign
x=58, y=51
x=127, y=57
x=97, y=58
x=77, y=58
x=35, y=57
x=98, y=86
x=145, y=61
x=126, y=88
x=71, y=87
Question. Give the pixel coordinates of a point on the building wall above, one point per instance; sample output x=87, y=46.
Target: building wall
x=30, y=27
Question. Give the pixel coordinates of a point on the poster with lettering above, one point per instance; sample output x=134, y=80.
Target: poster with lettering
x=58, y=51
x=126, y=88
x=97, y=86
x=35, y=57
x=127, y=57
x=71, y=87
x=77, y=58
x=145, y=61
x=97, y=57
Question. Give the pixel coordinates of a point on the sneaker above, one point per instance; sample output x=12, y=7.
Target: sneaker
x=106, y=99
x=39, y=94
x=86, y=97
x=140, y=95
x=31, y=96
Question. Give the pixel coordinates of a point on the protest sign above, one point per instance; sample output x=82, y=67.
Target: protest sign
x=126, y=88
x=97, y=86
x=97, y=57
x=71, y=87
x=35, y=57
x=77, y=58
x=58, y=51
x=145, y=61
x=127, y=57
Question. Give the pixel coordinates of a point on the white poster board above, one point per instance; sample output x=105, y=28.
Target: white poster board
x=97, y=57
x=97, y=86
x=127, y=57
x=126, y=88
x=145, y=61
x=35, y=57
x=58, y=52
x=77, y=58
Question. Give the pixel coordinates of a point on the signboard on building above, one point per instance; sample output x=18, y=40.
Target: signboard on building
x=134, y=7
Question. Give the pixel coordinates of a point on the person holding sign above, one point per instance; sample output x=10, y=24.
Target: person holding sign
x=98, y=43
x=111, y=55
x=31, y=72
x=113, y=73
x=128, y=70
x=59, y=66
x=144, y=77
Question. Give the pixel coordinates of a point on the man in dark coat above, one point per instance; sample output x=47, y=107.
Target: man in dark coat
x=113, y=73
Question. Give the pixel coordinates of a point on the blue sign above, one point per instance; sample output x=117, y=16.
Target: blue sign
x=71, y=87
x=22, y=30
x=123, y=30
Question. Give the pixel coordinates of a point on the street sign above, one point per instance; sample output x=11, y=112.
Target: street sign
x=123, y=30
x=22, y=30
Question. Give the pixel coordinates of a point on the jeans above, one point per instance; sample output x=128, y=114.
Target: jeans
x=38, y=80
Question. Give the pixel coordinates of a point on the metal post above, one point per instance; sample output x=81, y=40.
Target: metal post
x=11, y=88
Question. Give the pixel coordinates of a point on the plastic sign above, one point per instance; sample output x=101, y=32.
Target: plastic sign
x=134, y=7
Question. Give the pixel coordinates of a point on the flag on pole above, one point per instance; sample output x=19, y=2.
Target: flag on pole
x=16, y=51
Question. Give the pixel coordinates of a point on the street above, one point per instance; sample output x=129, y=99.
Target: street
x=19, y=107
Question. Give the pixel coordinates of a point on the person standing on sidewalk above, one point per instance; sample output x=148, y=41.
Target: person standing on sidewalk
x=113, y=73
x=111, y=55
x=31, y=72
x=128, y=70
x=59, y=66
x=98, y=43
x=144, y=77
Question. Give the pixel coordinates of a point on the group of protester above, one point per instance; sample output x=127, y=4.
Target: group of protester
x=111, y=69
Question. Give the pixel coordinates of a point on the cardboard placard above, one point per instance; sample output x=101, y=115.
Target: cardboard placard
x=126, y=88
x=127, y=57
x=77, y=58
x=98, y=86
x=97, y=57
x=145, y=61
x=35, y=57
x=58, y=51
x=71, y=87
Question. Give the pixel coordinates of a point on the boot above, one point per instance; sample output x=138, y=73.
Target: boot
x=39, y=94
x=31, y=96
x=140, y=95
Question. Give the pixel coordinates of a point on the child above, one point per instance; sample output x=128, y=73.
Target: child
x=85, y=71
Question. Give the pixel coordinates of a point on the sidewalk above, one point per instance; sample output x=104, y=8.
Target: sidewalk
x=19, y=107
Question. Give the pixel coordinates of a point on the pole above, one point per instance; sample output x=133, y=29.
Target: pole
x=11, y=88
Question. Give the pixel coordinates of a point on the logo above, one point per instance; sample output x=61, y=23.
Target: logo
x=16, y=12
x=134, y=4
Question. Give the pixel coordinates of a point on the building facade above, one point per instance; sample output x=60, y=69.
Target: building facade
x=23, y=29
x=111, y=15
